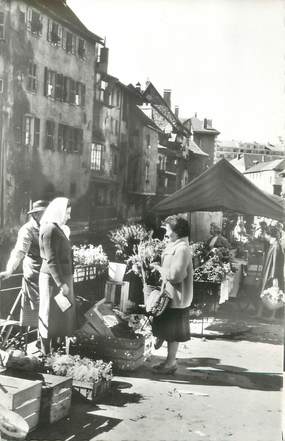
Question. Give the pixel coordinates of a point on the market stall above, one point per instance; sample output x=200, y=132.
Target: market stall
x=220, y=188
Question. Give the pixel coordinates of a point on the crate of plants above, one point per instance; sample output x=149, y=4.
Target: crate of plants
x=91, y=266
x=91, y=378
x=126, y=353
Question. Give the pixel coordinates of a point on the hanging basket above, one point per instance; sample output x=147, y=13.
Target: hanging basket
x=272, y=305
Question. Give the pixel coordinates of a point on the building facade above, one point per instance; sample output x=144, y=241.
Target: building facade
x=235, y=149
x=47, y=75
x=268, y=176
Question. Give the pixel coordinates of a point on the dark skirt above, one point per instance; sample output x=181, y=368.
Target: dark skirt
x=172, y=325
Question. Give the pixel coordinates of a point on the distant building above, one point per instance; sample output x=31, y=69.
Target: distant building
x=204, y=135
x=267, y=175
x=235, y=149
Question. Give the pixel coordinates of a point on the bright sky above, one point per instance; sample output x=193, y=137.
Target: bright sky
x=224, y=59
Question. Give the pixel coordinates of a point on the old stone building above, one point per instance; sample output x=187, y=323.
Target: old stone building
x=47, y=76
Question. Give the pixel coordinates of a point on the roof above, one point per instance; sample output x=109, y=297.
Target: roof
x=61, y=12
x=147, y=121
x=246, y=161
x=277, y=164
x=221, y=188
x=152, y=96
x=195, y=149
x=198, y=126
x=229, y=144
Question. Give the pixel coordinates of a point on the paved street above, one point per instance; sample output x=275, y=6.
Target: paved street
x=223, y=390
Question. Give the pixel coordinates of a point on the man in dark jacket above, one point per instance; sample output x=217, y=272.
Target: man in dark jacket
x=27, y=251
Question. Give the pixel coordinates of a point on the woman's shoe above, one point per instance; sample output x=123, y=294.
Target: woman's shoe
x=159, y=366
x=158, y=343
x=167, y=370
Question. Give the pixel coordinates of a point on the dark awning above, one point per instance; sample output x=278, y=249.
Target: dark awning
x=223, y=187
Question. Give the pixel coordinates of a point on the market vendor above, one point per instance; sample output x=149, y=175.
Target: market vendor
x=27, y=251
x=216, y=240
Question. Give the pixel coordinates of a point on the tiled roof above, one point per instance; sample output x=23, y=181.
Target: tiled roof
x=195, y=149
x=62, y=13
x=277, y=164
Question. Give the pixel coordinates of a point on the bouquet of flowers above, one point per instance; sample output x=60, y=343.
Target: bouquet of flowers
x=147, y=252
x=273, y=298
x=126, y=238
x=89, y=255
x=80, y=369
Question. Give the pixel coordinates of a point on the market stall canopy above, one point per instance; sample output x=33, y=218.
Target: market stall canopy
x=223, y=187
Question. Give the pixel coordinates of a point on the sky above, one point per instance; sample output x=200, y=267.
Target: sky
x=222, y=59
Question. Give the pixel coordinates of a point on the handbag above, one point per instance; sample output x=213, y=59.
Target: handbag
x=157, y=301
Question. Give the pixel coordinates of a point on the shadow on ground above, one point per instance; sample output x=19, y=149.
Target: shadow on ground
x=86, y=424
x=212, y=373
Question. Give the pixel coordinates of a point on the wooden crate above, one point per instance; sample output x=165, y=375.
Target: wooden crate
x=92, y=391
x=126, y=354
x=23, y=397
x=56, y=398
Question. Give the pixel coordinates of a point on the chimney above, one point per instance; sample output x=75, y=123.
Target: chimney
x=138, y=86
x=195, y=116
x=167, y=96
x=176, y=111
x=104, y=57
x=205, y=123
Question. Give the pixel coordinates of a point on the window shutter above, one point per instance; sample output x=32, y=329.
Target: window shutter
x=28, y=18
x=83, y=92
x=80, y=141
x=59, y=33
x=64, y=39
x=46, y=81
x=36, y=132
x=73, y=44
x=49, y=30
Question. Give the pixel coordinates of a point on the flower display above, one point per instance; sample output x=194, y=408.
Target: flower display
x=216, y=268
x=89, y=255
x=126, y=238
x=80, y=369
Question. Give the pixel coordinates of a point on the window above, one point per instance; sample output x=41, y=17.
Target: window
x=114, y=161
x=1, y=86
x=70, y=139
x=81, y=48
x=148, y=140
x=50, y=131
x=116, y=127
x=147, y=173
x=80, y=94
x=58, y=94
x=28, y=130
x=54, y=35
x=2, y=26
x=97, y=151
x=34, y=22
x=32, y=78
x=69, y=42
x=49, y=83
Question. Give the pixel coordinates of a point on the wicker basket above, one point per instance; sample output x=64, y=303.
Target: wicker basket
x=273, y=306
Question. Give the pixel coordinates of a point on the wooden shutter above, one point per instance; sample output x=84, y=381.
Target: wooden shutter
x=36, y=132
x=72, y=91
x=46, y=81
x=63, y=42
x=28, y=18
x=49, y=31
x=83, y=92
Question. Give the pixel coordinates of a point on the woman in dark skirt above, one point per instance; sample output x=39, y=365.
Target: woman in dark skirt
x=56, y=276
x=177, y=275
